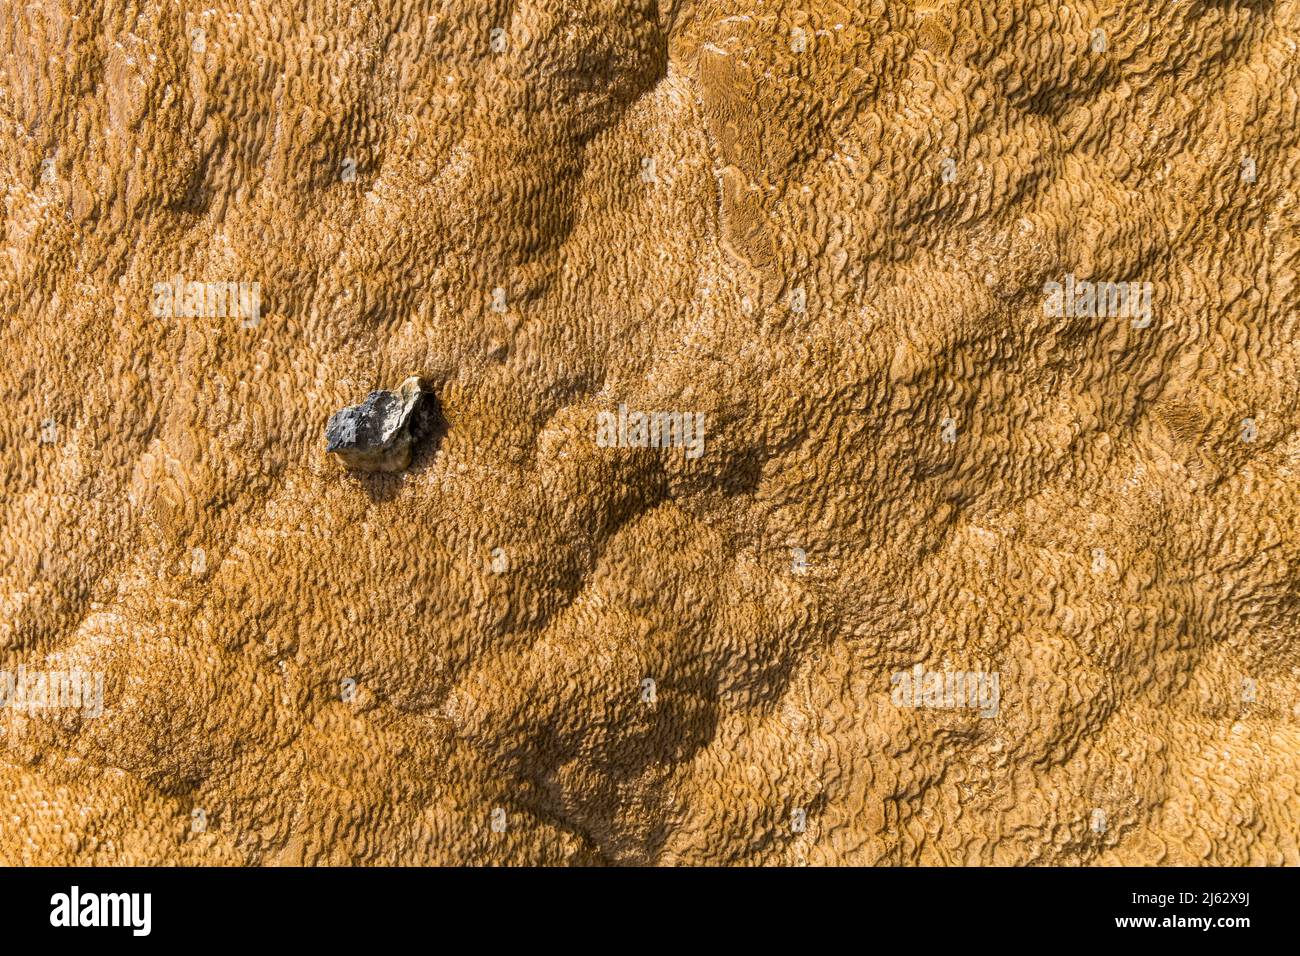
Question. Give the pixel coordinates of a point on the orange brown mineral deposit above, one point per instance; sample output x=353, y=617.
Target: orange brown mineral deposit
x=988, y=310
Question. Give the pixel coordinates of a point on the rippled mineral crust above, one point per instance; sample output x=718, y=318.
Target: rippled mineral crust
x=825, y=226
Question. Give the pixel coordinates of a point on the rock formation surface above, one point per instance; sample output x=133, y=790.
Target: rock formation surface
x=839, y=235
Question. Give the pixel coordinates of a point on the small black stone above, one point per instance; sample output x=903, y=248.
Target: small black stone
x=376, y=435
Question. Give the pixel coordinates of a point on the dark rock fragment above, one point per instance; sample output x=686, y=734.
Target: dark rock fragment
x=376, y=435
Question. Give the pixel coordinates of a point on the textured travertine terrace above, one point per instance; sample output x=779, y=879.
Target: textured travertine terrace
x=825, y=227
